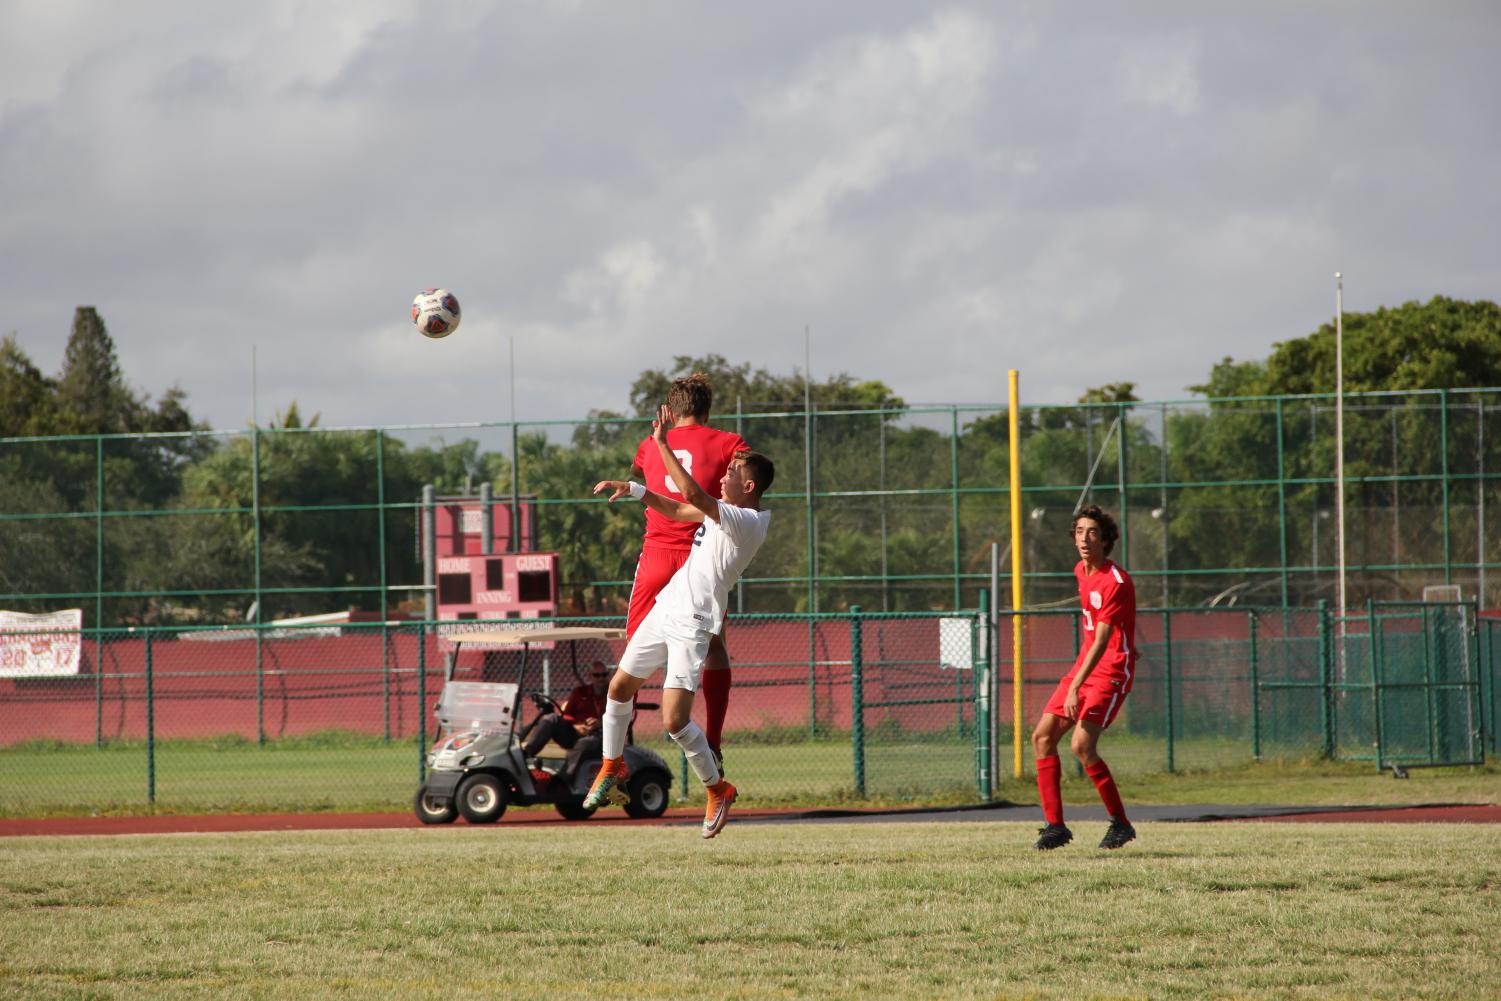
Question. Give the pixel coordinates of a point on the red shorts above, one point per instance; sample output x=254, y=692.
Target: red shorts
x=1100, y=699
x=654, y=568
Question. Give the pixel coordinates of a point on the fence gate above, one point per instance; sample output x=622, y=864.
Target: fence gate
x=919, y=725
x=1427, y=685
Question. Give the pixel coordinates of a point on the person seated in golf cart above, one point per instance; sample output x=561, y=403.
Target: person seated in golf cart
x=577, y=720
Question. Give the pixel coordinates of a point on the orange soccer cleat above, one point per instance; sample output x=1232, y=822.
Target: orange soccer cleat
x=612, y=773
x=721, y=796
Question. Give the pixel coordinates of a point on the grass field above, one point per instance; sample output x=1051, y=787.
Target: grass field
x=343, y=772
x=954, y=910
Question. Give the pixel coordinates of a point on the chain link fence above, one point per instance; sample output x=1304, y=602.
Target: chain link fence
x=853, y=707
x=1220, y=502
x=338, y=717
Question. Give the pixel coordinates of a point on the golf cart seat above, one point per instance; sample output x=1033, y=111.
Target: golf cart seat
x=552, y=750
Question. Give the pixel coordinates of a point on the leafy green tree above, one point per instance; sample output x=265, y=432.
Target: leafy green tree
x=64, y=476
x=1441, y=344
x=595, y=541
x=28, y=399
x=758, y=389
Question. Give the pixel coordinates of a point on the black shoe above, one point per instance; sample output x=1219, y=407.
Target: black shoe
x=719, y=761
x=1119, y=833
x=1053, y=836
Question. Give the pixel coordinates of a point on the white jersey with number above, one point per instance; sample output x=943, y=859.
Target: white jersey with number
x=699, y=592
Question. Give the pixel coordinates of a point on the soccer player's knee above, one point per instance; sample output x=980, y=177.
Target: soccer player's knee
x=1043, y=741
x=674, y=717
x=1082, y=744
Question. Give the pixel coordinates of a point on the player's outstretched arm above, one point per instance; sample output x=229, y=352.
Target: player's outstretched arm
x=699, y=501
x=662, y=505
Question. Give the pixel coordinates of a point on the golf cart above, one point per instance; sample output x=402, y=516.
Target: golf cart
x=477, y=766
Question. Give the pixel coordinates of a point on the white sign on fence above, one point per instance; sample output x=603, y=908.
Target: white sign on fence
x=956, y=643
x=40, y=646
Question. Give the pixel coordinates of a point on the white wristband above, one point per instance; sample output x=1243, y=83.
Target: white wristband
x=637, y=490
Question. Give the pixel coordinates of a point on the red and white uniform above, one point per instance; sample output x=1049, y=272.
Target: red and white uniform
x=705, y=453
x=1107, y=595
x=691, y=608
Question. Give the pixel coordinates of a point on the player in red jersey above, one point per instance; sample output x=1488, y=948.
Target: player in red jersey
x=705, y=453
x=1091, y=694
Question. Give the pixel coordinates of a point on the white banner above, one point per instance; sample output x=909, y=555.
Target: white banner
x=40, y=646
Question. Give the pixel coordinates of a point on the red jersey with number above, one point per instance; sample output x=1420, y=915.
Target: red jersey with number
x=1107, y=595
x=705, y=453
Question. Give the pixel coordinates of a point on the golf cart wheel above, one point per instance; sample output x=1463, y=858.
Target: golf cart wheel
x=649, y=795
x=431, y=810
x=574, y=811
x=482, y=798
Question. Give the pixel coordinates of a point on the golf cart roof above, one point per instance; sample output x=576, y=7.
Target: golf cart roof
x=548, y=634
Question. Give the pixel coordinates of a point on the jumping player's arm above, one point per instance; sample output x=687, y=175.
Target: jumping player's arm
x=676, y=510
x=699, y=502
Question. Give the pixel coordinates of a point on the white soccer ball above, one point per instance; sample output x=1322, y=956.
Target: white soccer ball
x=435, y=311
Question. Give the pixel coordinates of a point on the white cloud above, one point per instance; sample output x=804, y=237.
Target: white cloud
x=1162, y=74
x=937, y=196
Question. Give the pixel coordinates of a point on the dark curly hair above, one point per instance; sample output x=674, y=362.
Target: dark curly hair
x=1108, y=530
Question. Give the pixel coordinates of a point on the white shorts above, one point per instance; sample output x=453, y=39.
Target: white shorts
x=659, y=640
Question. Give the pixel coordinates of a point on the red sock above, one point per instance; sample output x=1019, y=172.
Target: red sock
x=1050, y=788
x=1099, y=774
x=716, y=689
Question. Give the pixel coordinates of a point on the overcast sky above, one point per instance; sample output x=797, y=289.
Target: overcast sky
x=1086, y=192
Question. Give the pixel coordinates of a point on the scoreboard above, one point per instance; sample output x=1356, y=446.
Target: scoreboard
x=497, y=586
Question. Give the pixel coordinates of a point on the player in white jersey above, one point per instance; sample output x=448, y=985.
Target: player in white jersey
x=688, y=612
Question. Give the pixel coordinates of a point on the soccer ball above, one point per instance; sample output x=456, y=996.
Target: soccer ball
x=436, y=312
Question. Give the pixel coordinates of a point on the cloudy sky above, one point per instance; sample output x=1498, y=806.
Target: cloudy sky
x=1086, y=192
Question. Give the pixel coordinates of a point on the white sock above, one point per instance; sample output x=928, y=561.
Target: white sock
x=696, y=746
x=616, y=719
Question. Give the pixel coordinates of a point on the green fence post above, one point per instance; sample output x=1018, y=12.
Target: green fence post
x=98, y=591
x=812, y=679
x=1443, y=423
x=422, y=703
x=956, y=562
x=1121, y=477
x=1430, y=639
x=150, y=724
x=857, y=701
x=260, y=612
x=1167, y=677
x=1325, y=694
x=380, y=549
x=982, y=694
x=1374, y=638
x=1488, y=682
x=1479, y=702
x=1255, y=691
x=1282, y=506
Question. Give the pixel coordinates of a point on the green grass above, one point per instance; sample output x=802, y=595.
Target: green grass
x=838, y=911
x=1291, y=783
x=339, y=771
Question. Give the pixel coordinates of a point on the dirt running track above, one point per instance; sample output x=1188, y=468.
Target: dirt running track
x=1447, y=813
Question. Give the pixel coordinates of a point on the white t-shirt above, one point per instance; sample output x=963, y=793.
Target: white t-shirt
x=699, y=592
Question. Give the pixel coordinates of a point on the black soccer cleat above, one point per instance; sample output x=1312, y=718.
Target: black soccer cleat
x=1053, y=836
x=1119, y=833
x=718, y=760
